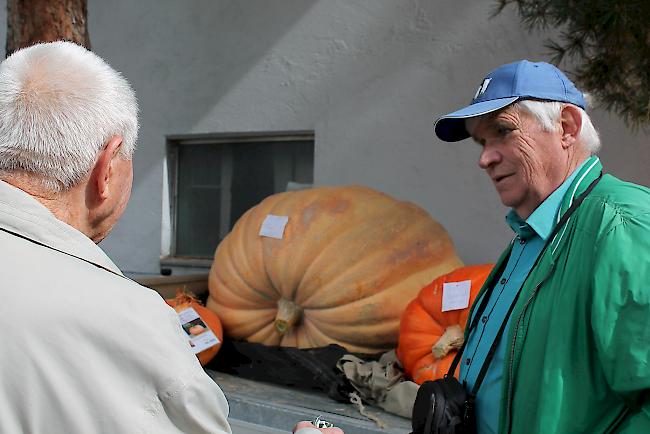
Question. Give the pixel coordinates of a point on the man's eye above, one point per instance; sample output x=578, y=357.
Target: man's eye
x=502, y=131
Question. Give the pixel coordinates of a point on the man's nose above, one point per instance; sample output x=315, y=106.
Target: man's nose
x=488, y=157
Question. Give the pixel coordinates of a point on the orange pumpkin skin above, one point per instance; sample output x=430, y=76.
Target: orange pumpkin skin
x=184, y=301
x=349, y=261
x=423, y=324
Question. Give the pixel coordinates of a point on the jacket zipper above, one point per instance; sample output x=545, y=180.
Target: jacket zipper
x=534, y=294
x=617, y=422
x=512, y=347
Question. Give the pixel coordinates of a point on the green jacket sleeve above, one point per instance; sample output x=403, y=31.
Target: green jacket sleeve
x=620, y=317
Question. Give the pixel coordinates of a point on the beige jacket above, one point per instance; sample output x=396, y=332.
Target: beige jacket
x=83, y=349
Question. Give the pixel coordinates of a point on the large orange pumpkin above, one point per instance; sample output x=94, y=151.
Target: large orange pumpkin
x=347, y=264
x=183, y=301
x=428, y=337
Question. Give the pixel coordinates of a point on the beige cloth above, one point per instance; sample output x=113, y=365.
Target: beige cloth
x=87, y=351
x=381, y=383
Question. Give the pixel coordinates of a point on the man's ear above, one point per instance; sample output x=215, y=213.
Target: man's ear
x=570, y=124
x=103, y=169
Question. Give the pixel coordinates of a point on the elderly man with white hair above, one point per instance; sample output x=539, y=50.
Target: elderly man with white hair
x=84, y=349
x=558, y=340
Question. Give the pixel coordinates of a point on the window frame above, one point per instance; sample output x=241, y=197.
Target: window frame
x=174, y=142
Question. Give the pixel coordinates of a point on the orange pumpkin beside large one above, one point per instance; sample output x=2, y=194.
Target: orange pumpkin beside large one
x=183, y=301
x=423, y=325
x=347, y=264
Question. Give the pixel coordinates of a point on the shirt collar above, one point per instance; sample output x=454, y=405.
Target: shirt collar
x=542, y=221
x=21, y=213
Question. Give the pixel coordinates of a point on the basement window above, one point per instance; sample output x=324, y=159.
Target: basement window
x=213, y=179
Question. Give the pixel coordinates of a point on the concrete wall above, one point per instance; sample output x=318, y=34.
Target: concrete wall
x=368, y=76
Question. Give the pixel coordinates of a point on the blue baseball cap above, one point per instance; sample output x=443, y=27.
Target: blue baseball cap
x=505, y=85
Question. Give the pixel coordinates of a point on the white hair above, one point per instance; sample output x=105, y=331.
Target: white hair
x=59, y=105
x=548, y=114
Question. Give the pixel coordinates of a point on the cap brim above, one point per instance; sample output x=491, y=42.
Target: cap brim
x=451, y=127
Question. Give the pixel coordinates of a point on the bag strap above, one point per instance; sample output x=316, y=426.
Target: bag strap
x=486, y=363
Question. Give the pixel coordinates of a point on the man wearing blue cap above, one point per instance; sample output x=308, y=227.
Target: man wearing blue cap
x=559, y=337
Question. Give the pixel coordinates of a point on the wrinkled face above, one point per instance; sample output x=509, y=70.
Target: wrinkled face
x=525, y=163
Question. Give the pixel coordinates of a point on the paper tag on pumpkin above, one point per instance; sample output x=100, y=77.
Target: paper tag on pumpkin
x=273, y=226
x=198, y=333
x=455, y=295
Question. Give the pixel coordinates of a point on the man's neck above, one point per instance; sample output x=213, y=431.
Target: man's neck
x=62, y=204
x=575, y=160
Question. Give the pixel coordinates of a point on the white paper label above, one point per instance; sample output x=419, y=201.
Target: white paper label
x=200, y=336
x=273, y=226
x=455, y=295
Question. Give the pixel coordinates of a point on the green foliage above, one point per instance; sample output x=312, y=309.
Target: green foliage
x=607, y=40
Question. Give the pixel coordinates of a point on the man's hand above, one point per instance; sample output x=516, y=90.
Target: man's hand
x=309, y=428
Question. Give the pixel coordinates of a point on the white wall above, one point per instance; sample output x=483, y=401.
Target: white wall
x=368, y=76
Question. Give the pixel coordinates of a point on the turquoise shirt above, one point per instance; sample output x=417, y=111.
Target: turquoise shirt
x=530, y=237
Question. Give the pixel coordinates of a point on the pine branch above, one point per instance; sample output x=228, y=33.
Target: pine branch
x=608, y=41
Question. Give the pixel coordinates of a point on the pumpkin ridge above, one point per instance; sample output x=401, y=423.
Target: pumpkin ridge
x=370, y=335
x=226, y=298
x=283, y=286
x=248, y=228
x=236, y=245
x=389, y=275
x=418, y=279
x=240, y=245
x=350, y=347
x=241, y=321
x=265, y=334
x=323, y=336
x=333, y=238
x=233, y=271
x=308, y=330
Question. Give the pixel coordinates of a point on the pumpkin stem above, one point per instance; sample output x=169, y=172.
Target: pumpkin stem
x=289, y=314
x=451, y=339
x=184, y=298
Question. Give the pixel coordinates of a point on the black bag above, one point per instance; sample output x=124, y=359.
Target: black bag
x=443, y=407
x=307, y=369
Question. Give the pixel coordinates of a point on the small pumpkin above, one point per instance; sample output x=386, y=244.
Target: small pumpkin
x=341, y=271
x=429, y=337
x=182, y=301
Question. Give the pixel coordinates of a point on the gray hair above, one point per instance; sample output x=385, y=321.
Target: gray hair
x=548, y=113
x=59, y=105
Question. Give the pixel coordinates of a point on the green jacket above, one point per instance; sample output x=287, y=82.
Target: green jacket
x=578, y=347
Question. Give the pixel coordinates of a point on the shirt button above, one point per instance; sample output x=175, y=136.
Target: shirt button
x=484, y=319
x=503, y=281
x=468, y=361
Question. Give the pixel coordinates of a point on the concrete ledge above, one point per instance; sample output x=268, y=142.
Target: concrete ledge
x=262, y=405
x=168, y=285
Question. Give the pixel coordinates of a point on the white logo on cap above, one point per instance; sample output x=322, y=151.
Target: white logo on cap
x=482, y=88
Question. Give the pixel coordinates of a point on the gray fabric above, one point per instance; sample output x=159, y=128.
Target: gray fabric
x=381, y=383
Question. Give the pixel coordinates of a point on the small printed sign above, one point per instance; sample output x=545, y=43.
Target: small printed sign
x=273, y=226
x=198, y=333
x=455, y=295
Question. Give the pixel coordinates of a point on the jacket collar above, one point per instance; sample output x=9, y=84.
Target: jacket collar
x=589, y=171
x=24, y=215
